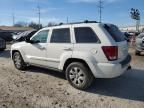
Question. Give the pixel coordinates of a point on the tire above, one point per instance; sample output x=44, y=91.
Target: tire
x=137, y=53
x=79, y=75
x=18, y=61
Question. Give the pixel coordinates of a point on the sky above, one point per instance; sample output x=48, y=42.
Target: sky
x=114, y=11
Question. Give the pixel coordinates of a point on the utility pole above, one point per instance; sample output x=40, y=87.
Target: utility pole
x=39, y=15
x=13, y=19
x=100, y=6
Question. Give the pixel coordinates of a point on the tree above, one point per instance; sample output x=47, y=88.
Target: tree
x=35, y=25
x=52, y=24
x=20, y=24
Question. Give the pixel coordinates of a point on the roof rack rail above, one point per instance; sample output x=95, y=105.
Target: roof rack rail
x=86, y=21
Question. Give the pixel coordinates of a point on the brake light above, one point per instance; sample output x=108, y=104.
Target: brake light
x=111, y=52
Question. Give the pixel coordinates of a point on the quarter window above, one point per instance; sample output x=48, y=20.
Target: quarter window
x=61, y=36
x=41, y=36
x=85, y=35
x=115, y=33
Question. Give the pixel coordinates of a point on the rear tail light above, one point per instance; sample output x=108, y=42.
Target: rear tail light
x=111, y=52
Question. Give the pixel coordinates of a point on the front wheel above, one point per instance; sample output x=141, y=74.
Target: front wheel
x=79, y=75
x=18, y=61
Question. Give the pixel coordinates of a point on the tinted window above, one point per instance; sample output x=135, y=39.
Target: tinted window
x=61, y=36
x=85, y=35
x=41, y=36
x=116, y=34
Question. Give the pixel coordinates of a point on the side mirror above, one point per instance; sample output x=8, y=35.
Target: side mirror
x=27, y=39
x=32, y=41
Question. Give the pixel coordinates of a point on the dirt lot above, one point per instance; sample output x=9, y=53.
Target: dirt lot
x=41, y=88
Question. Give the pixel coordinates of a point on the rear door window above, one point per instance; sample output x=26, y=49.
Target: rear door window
x=114, y=31
x=85, y=35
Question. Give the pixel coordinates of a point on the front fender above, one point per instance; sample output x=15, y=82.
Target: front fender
x=17, y=48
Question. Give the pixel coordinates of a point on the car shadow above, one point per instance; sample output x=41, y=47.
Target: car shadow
x=128, y=86
x=57, y=74
x=5, y=54
x=142, y=54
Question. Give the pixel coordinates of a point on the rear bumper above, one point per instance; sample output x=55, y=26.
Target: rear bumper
x=108, y=70
x=126, y=61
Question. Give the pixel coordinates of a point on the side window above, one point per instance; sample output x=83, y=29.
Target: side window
x=61, y=36
x=85, y=35
x=115, y=33
x=41, y=36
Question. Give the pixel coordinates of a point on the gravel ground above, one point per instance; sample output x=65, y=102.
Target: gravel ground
x=42, y=88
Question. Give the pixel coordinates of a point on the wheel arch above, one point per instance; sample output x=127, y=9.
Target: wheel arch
x=71, y=60
x=13, y=51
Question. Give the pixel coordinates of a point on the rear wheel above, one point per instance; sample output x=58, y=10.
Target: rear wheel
x=18, y=61
x=79, y=75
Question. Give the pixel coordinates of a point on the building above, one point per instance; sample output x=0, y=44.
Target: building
x=131, y=28
x=14, y=29
x=6, y=32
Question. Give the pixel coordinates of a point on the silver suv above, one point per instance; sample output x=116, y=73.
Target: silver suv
x=81, y=50
x=139, y=44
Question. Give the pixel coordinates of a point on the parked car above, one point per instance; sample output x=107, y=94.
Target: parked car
x=7, y=36
x=134, y=33
x=15, y=34
x=128, y=36
x=2, y=44
x=81, y=50
x=139, y=44
x=22, y=36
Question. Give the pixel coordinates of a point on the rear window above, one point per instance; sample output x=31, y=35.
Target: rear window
x=114, y=31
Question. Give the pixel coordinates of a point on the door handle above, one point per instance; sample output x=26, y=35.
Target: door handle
x=42, y=48
x=67, y=49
